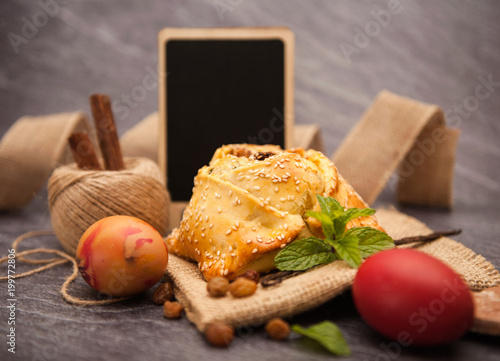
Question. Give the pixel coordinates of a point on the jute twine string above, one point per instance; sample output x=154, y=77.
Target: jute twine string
x=79, y=198
x=49, y=263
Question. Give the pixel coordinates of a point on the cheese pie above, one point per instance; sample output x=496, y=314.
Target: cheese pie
x=250, y=202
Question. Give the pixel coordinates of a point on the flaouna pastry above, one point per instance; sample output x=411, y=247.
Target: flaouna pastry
x=250, y=202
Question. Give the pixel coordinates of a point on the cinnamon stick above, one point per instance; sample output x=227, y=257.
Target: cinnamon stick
x=105, y=125
x=83, y=151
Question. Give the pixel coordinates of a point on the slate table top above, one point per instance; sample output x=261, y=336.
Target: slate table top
x=428, y=50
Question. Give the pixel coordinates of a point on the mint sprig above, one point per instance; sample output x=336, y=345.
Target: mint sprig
x=328, y=335
x=351, y=246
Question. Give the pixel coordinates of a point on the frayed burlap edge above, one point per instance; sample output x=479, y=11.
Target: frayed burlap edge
x=312, y=288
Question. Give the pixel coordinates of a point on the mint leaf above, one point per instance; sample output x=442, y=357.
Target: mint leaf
x=304, y=254
x=328, y=335
x=371, y=240
x=329, y=206
x=348, y=215
x=326, y=223
x=352, y=213
x=347, y=248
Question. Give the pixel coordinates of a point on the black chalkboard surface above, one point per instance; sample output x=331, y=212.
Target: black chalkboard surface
x=220, y=86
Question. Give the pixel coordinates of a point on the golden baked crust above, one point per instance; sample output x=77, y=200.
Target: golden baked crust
x=250, y=202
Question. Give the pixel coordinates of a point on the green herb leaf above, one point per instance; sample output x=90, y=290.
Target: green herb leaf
x=326, y=223
x=371, y=240
x=304, y=254
x=352, y=213
x=328, y=335
x=329, y=206
x=348, y=215
x=347, y=248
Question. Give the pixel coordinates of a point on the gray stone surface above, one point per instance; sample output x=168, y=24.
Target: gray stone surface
x=431, y=51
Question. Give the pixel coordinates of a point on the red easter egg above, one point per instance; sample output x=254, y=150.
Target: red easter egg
x=413, y=298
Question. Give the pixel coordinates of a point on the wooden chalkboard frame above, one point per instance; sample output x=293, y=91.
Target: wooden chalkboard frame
x=244, y=33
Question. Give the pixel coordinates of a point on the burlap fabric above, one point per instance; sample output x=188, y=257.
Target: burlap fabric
x=30, y=150
x=142, y=139
x=316, y=286
x=400, y=133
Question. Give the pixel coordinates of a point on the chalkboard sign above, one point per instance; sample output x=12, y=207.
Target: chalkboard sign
x=221, y=86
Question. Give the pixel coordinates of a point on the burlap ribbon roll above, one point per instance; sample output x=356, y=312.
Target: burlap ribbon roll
x=398, y=132
x=394, y=132
x=30, y=150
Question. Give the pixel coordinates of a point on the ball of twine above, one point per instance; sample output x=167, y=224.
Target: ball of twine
x=78, y=198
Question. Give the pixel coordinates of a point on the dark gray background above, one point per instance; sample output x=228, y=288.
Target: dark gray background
x=431, y=51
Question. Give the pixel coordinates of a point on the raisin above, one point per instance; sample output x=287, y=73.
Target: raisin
x=251, y=275
x=278, y=329
x=218, y=286
x=263, y=155
x=242, y=287
x=219, y=334
x=164, y=292
x=172, y=309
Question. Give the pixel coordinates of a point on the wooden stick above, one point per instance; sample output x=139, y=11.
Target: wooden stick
x=427, y=238
x=83, y=151
x=274, y=278
x=105, y=125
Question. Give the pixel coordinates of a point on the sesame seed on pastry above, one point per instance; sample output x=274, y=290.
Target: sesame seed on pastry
x=250, y=202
